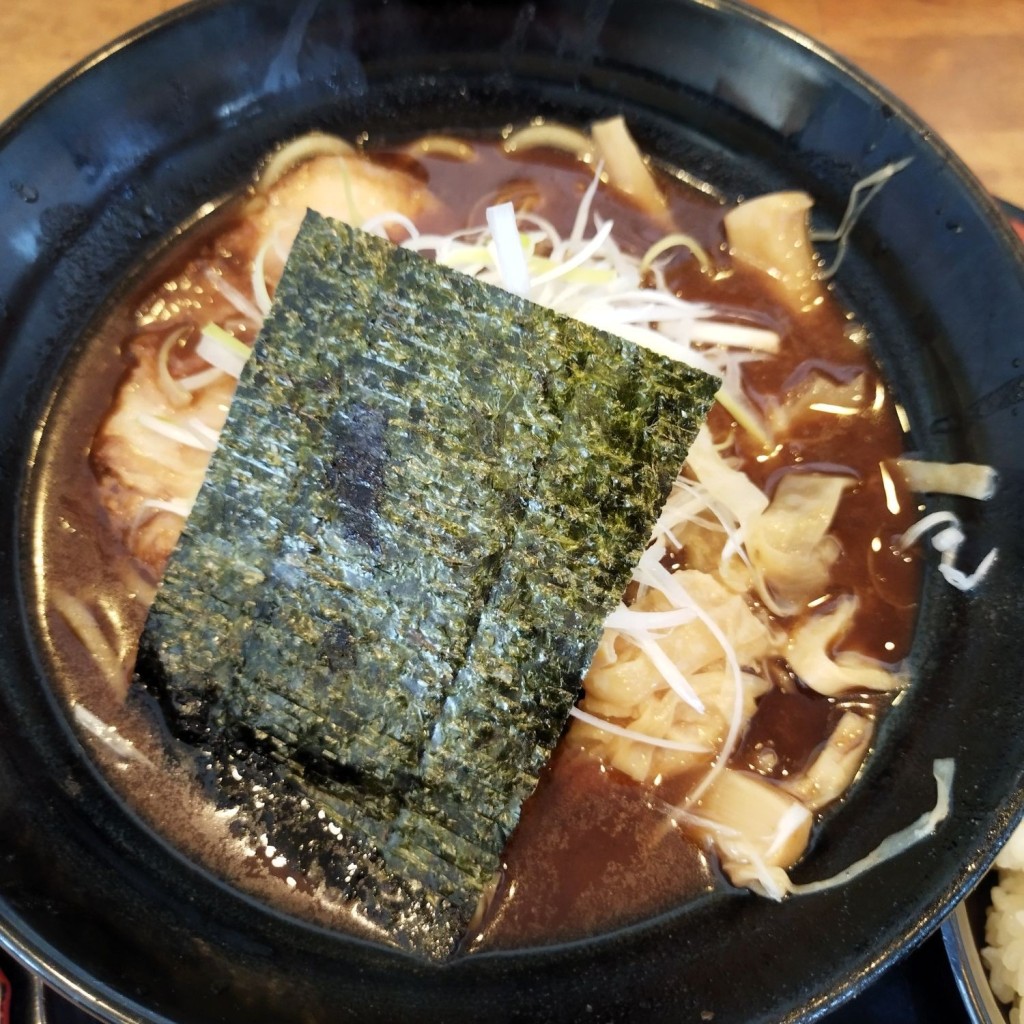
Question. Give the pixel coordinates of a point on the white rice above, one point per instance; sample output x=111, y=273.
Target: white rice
x=1003, y=954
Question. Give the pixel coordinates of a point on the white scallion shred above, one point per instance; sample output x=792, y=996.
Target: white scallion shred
x=207, y=436
x=860, y=195
x=961, y=580
x=200, y=380
x=553, y=136
x=108, y=735
x=678, y=240
x=626, y=619
x=176, y=506
x=754, y=339
x=222, y=350
x=175, y=394
x=895, y=844
x=922, y=526
x=241, y=302
x=378, y=225
x=172, y=431
x=947, y=541
x=652, y=573
x=637, y=737
x=260, y=292
x=667, y=669
x=585, y=275
x=82, y=621
x=588, y=251
x=515, y=275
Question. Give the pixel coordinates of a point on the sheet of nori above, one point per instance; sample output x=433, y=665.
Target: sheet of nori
x=427, y=496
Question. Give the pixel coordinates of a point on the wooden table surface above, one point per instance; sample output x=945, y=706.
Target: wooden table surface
x=958, y=63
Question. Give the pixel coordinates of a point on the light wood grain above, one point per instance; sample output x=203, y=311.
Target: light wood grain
x=38, y=41
x=958, y=63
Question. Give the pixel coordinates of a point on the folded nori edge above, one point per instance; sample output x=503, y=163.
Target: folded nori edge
x=427, y=496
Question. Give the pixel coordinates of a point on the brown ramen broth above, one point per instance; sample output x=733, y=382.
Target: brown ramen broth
x=594, y=848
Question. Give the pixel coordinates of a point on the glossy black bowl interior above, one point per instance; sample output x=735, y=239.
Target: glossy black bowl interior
x=97, y=171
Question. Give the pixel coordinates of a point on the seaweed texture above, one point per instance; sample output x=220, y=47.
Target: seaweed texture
x=427, y=496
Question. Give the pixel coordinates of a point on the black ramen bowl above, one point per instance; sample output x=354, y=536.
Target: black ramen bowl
x=99, y=169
